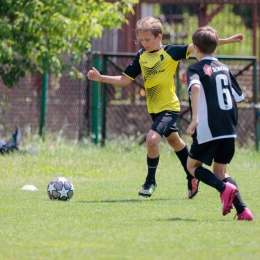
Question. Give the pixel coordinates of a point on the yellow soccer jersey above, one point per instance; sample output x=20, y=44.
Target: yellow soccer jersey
x=158, y=69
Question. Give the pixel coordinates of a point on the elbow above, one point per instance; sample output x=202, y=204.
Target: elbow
x=121, y=84
x=125, y=82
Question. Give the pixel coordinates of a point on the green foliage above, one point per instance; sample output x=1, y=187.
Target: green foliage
x=225, y=29
x=106, y=219
x=31, y=30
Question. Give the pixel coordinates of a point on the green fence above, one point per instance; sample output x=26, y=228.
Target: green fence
x=75, y=109
x=122, y=111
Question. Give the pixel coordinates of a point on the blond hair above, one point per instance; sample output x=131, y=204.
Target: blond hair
x=149, y=24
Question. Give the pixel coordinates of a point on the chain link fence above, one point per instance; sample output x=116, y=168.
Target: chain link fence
x=125, y=110
x=65, y=111
x=122, y=111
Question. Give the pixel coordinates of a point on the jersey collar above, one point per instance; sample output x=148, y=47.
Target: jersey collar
x=209, y=58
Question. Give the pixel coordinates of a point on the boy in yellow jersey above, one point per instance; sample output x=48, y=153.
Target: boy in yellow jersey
x=158, y=63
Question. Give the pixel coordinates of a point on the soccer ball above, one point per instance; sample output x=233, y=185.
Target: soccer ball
x=60, y=188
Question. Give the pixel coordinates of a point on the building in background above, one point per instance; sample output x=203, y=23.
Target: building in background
x=180, y=18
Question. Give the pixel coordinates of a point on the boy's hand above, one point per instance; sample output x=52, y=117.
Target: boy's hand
x=93, y=74
x=236, y=38
x=192, y=126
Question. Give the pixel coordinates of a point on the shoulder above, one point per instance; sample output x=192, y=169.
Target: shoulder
x=195, y=66
x=141, y=51
x=177, y=52
x=137, y=56
x=172, y=47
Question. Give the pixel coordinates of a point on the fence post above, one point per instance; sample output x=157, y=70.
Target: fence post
x=103, y=103
x=257, y=112
x=96, y=102
x=44, y=99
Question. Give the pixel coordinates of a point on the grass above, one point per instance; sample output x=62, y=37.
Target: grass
x=106, y=219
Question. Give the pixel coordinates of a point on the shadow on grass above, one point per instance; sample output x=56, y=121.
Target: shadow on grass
x=123, y=201
x=197, y=220
x=177, y=219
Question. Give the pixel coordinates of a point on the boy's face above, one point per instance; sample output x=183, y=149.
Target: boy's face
x=149, y=42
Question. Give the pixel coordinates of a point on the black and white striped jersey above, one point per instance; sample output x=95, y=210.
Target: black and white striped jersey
x=219, y=93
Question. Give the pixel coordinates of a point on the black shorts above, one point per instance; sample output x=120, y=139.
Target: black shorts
x=221, y=150
x=165, y=122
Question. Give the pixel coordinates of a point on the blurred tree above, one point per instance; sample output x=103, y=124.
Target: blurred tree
x=226, y=22
x=33, y=30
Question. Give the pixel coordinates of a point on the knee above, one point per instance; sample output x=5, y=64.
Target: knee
x=151, y=141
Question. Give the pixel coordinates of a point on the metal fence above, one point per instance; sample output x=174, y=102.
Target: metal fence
x=77, y=109
x=65, y=110
x=122, y=111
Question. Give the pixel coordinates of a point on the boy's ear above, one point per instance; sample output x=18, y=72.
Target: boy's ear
x=196, y=48
x=159, y=36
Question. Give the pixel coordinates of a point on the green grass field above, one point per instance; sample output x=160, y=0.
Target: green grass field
x=106, y=219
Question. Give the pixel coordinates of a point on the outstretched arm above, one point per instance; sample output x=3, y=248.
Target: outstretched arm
x=235, y=38
x=120, y=81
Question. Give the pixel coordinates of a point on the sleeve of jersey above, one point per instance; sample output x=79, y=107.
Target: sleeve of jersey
x=134, y=69
x=177, y=52
x=193, y=78
x=236, y=90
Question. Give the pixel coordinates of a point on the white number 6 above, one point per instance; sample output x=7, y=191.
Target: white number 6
x=224, y=96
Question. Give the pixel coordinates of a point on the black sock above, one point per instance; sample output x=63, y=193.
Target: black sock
x=238, y=202
x=183, y=156
x=152, y=164
x=209, y=178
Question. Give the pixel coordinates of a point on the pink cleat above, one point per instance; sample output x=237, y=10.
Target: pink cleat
x=193, y=186
x=245, y=215
x=227, y=197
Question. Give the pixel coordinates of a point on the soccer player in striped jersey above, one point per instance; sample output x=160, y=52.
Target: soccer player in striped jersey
x=157, y=63
x=214, y=93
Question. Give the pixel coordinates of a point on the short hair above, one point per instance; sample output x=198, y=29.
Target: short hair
x=149, y=24
x=206, y=39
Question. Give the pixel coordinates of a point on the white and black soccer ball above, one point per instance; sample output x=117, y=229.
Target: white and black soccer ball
x=60, y=188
